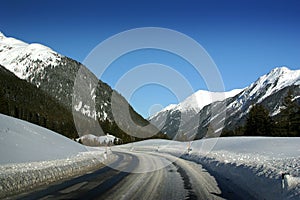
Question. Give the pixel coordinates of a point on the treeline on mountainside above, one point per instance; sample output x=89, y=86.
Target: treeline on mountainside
x=110, y=127
x=260, y=123
x=22, y=100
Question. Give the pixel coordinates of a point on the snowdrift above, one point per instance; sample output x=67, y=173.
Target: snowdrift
x=255, y=164
x=31, y=155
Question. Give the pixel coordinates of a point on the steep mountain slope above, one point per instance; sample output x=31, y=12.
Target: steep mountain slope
x=198, y=100
x=44, y=68
x=269, y=90
x=91, y=101
x=265, y=86
x=22, y=100
x=169, y=118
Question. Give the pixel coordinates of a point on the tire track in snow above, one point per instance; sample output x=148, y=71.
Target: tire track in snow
x=186, y=182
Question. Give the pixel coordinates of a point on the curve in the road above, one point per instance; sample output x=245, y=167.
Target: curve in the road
x=100, y=181
x=105, y=186
x=139, y=175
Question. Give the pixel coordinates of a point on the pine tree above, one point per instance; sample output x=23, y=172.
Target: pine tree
x=259, y=123
x=287, y=112
x=290, y=119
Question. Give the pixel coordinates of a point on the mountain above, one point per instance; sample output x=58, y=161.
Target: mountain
x=169, y=119
x=197, y=101
x=43, y=67
x=269, y=90
x=22, y=100
x=90, y=101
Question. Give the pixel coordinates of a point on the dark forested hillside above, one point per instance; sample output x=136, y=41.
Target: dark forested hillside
x=23, y=100
x=72, y=94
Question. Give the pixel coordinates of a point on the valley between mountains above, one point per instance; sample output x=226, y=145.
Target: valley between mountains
x=57, y=142
x=53, y=76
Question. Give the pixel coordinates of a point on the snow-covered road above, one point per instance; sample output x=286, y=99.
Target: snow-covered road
x=142, y=175
x=31, y=156
x=163, y=176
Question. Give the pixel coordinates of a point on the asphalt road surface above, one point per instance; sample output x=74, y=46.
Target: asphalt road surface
x=143, y=175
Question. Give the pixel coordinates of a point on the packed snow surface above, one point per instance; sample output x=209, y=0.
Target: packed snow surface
x=255, y=163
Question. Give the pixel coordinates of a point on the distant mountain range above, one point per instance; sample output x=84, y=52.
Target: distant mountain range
x=269, y=90
x=54, y=75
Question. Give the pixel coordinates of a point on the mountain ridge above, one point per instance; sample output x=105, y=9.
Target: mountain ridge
x=265, y=90
x=56, y=74
x=195, y=101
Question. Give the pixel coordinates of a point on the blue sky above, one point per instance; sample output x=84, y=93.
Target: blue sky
x=245, y=38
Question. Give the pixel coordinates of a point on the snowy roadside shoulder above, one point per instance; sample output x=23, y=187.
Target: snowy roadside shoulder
x=262, y=177
x=259, y=175
x=19, y=177
x=265, y=167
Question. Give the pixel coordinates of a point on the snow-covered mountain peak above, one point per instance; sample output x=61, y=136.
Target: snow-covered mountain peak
x=2, y=36
x=274, y=81
x=280, y=70
x=25, y=59
x=280, y=73
x=197, y=101
x=36, y=46
x=202, y=98
x=265, y=86
x=10, y=41
x=270, y=90
x=169, y=107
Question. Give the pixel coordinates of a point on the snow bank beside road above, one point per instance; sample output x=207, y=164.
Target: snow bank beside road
x=253, y=163
x=31, y=155
x=21, y=141
x=16, y=178
x=254, y=173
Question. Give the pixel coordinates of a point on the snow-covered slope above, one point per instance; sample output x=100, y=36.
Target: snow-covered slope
x=269, y=90
x=24, y=59
x=255, y=164
x=31, y=156
x=197, y=101
x=53, y=73
x=71, y=84
x=267, y=85
x=169, y=118
x=21, y=141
